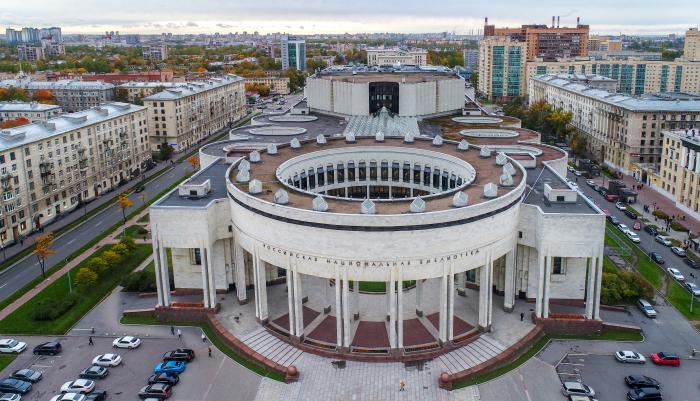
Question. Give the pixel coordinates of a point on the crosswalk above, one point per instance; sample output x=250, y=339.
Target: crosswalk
x=475, y=353
x=271, y=347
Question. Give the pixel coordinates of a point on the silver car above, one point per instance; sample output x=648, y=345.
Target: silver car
x=576, y=388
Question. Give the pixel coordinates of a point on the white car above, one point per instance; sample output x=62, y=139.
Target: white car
x=663, y=240
x=129, y=342
x=620, y=206
x=576, y=388
x=577, y=173
x=632, y=236
x=693, y=288
x=107, y=360
x=590, y=183
x=11, y=346
x=623, y=227
x=78, y=386
x=678, y=251
x=10, y=397
x=69, y=397
x=675, y=273
x=629, y=357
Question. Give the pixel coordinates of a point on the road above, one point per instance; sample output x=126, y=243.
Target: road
x=647, y=243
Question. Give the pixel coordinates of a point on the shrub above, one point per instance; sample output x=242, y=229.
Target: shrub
x=676, y=226
x=621, y=286
x=143, y=232
x=121, y=250
x=140, y=281
x=129, y=243
x=53, y=308
x=98, y=265
x=85, y=279
x=112, y=258
x=660, y=214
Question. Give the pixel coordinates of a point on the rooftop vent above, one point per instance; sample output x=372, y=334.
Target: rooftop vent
x=295, y=144
x=408, y=138
x=379, y=136
x=501, y=159
x=320, y=139
x=243, y=176
x=244, y=165
x=10, y=135
x=350, y=137
x=255, y=187
x=490, y=190
x=437, y=141
x=463, y=145
x=509, y=169
x=319, y=204
x=281, y=197
x=418, y=205
x=368, y=207
x=485, y=152
x=194, y=191
x=506, y=180
x=271, y=149
x=254, y=156
x=460, y=199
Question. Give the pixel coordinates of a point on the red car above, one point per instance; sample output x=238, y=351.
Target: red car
x=611, y=198
x=606, y=211
x=637, y=225
x=662, y=358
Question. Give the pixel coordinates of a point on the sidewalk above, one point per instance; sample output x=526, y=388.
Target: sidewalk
x=110, y=239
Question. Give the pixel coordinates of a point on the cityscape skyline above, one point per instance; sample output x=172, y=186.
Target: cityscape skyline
x=364, y=17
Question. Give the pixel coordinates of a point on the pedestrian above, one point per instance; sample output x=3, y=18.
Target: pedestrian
x=204, y=338
x=90, y=341
x=209, y=352
x=172, y=329
x=21, y=240
x=402, y=386
x=522, y=316
x=179, y=334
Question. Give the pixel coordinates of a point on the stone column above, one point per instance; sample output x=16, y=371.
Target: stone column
x=327, y=300
x=392, y=309
x=210, y=276
x=338, y=312
x=239, y=255
x=261, y=284
x=547, y=278
x=509, y=290
x=347, y=317
x=356, y=289
x=443, y=308
x=540, y=282
x=156, y=263
x=451, y=303
x=290, y=302
x=460, y=283
x=298, y=300
x=419, y=298
x=399, y=316
x=590, y=285
x=205, y=279
x=165, y=275
x=598, y=285
x=485, y=294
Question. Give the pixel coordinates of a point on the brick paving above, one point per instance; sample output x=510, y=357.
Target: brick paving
x=414, y=333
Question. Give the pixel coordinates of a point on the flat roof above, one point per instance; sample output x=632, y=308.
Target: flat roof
x=534, y=194
x=27, y=106
x=397, y=73
x=151, y=84
x=215, y=173
x=193, y=88
x=63, y=84
x=18, y=136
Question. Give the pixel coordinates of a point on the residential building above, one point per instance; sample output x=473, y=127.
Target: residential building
x=71, y=95
x=156, y=52
x=396, y=55
x=293, y=52
x=33, y=111
x=30, y=52
x=117, y=77
x=48, y=168
x=679, y=172
x=604, y=44
x=691, y=47
x=33, y=35
x=138, y=90
x=549, y=43
x=278, y=85
x=184, y=115
x=624, y=132
x=471, y=59
x=53, y=49
x=501, y=67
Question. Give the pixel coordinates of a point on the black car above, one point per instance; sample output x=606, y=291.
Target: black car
x=167, y=378
x=15, y=386
x=96, y=395
x=48, y=348
x=140, y=188
x=614, y=220
x=690, y=262
x=656, y=257
x=157, y=390
x=180, y=354
x=94, y=372
x=27, y=375
x=651, y=230
x=630, y=214
x=636, y=381
x=644, y=394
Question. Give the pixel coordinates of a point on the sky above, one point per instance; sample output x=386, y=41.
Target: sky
x=336, y=16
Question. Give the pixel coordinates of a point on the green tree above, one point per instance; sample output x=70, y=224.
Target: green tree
x=121, y=250
x=129, y=243
x=121, y=95
x=474, y=80
x=313, y=64
x=165, y=152
x=296, y=78
x=85, y=279
x=112, y=258
x=98, y=265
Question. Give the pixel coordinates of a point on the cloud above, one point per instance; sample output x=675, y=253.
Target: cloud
x=191, y=24
x=220, y=25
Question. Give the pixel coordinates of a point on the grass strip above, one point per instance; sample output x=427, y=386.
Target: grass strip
x=217, y=341
x=21, y=322
x=681, y=298
x=6, y=360
x=646, y=267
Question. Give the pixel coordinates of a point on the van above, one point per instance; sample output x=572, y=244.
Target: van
x=646, y=308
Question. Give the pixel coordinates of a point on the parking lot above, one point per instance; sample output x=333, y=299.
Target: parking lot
x=606, y=376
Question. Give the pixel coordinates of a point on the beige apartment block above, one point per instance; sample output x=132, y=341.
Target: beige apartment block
x=395, y=55
x=679, y=173
x=501, y=67
x=278, y=85
x=182, y=116
x=48, y=168
x=33, y=111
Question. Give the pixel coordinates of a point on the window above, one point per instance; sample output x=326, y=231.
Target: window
x=558, y=266
x=195, y=256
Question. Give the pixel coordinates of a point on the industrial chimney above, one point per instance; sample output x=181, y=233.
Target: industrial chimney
x=553, y=21
x=557, y=21
x=578, y=21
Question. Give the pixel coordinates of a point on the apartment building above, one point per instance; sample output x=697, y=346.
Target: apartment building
x=623, y=131
x=30, y=52
x=679, y=172
x=396, y=55
x=155, y=52
x=33, y=111
x=48, y=168
x=138, y=90
x=278, y=85
x=691, y=46
x=71, y=95
x=501, y=67
x=182, y=116
x=471, y=59
x=293, y=52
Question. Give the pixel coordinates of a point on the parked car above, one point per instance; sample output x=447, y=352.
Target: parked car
x=108, y=360
x=157, y=390
x=629, y=357
x=663, y=240
x=675, y=273
x=573, y=397
x=69, y=397
x=644, y=394
x=140, y=188
x=94, y=372
x=623, y=227
x=637, y=225
x=635, y=381
x=693, y=288
x=646, y=308
x=651, y=230
x=11, y=346
x=577, y=173
x=170, y=367
x=595, y=187
x=10, y=385
x=180, y=354
x=48, y=348
x=568, y=388
x=168, y=378
x=614, y=220
x=10, y=397
x=630, y=214
x=656, y=257
x=632, y=236
x=610, y=197
x=78, y=386
x=28, y=375
x=620, y=206
x=129, y=342
x=590, y=183
x=664, y=358
x=678, y=251
x=690, y=262
x=97, y=395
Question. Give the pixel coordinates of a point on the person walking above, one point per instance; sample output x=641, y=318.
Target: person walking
x=179, y=334
x=209, y=352
x=172, y=329
x=522, y=316
x=90, y=341
x=204, y=338
x=402, y=386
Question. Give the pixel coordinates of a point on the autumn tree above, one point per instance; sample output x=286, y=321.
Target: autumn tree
x=44, y=96
x=98, y=265
x=112, y=258
x=193, y=161
x=9, y=94
x=124, y=203
x=14, y=122
x=43, y=250
x=85, y=279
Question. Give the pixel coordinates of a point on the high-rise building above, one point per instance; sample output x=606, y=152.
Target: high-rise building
x=396, y=55
x=691, y=49
x=550, y=43
x=156, y=52
x=501, y=67
x=471, y=59
x=71, y=95
x=293, y=52
x=27, y=52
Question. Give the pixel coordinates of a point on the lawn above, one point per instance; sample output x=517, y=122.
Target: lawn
x=132, y=231
x=646, y=267
x=144, y=219
x=379, y=286
x=5, y=360
x=215, y=340
x=680, y=298
x=19, y=322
